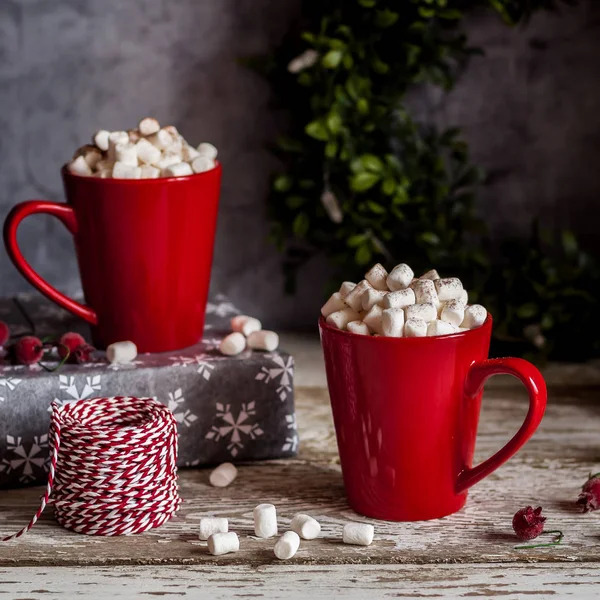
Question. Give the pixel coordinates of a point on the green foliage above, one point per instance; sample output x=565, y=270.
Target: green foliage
x=406, y=192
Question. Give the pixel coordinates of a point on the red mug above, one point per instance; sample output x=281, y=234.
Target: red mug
x=406, y=412
x=144, y=248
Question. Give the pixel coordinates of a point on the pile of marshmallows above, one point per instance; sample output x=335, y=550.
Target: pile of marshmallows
x=248, y=331
x=148, y=152
x=397, y=304
x=215, y=530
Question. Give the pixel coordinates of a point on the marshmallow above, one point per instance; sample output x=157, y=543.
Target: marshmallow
x=126, y=154
x=176, y=147
x=90, y=153
x=399, y=299
x=371, y=297
x=426, y=311
x=245, y=324
x=223, y=475
x=448, y=289
x=121, y=352
x=202, y=163
x=148, y=126
x=377, y=276
x=265, y=520
x=341, y=318
x=115, y=138
x=233, y=344
x=358, y=327
x=433, y=274
x=105, y=165
x=263, y=340
x=464, y=297
x=173, y=131
x=360, y=534
x=438, y=327
x=354, y=298
x=103, y=174
x=211, y=525
x=223, y=543
x=161, y=139
x=178, y=170
x=374, y=319
x=453, y=312
x=79, y=166
x=400, y=277
x=334, y=303
x=208, y=150
x=415, y=328
x=475, y=316
x=305, y=526
x=149, y=172
x=346, y=288
x=188, y=153
x=101, y=139
x=123, y=171
x=147, y=152
x=287, y=545
x=424, y=290
x=392, y=323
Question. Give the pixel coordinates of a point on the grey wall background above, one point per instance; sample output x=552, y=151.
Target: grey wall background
x=530, y=110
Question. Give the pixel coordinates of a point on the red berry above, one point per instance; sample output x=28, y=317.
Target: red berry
x=28, y=350
x=4, y=333
x=590, y=494
x=79, y=350
x=528, y=523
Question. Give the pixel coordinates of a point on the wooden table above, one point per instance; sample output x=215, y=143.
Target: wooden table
x=469, y=554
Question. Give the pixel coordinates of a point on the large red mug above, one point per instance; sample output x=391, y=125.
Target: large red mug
x=406, y=412
x=144, y=249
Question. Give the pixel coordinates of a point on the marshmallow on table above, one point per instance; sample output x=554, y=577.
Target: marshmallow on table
x=245, y=324
x=100, y=138
x=149, y=172
x=263, y=340
x=415, y=328
x=453, y=312
x=148, y=126
x=373, y=319
x=201, y=163
x=426, y=311
x=207, y=150
x=424, y=290
x=340, y=318
x=354, y=298
x=123, y=171
x=223, y=475
x=305, y=526
x=438, y=327
x=121, y=352
x=433, y=274
x=233, y=344
x=399, y=299
x=212, y=525
x=334, y=303
x=400, y=277
x=475, y=316
x=377, y=277
x=360, y=534
x=265, y=520
x=449, y=288
x=371, y=297
x=287, y=545
x=178, y=170
x=223, y=543
x=346, y=288
x=358, y=327
x=392, y=322
x=79, y=166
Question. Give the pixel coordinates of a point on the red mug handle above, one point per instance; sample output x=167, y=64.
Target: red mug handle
x=65, y=214
x=534, y=382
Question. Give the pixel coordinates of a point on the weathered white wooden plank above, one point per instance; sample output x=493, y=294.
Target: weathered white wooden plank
x=510, y=582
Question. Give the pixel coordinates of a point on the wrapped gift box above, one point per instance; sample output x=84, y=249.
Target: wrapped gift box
x=228, y=408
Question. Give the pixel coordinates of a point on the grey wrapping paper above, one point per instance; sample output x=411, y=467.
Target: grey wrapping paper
x=227, y=408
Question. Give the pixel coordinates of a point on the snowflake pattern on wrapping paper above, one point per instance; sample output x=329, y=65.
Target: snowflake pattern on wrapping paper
x=182, y=415
x=202, y=362
x=68, y=383
x=291, y=440
x=284, y=371
x=10, y=383
x=235, y=428
x=27, y=456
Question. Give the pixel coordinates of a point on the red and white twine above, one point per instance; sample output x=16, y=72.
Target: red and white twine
x=112, y=466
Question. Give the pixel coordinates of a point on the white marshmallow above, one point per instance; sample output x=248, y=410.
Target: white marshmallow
x=399, y=299
x=103, y=174
x=475, y=316
x=211, y=525
x=223, y=475
x=126, y=154
x=263, y=340
x=448, y=289
x=176, y=147
x=425, y=292
x=123, y=171
x=115, y=138
x=358, y=327
x=354, y=298
x=90, y=153
x=101, y=139
x=161, y=139
x=438, y=327
x=178, y=170
x=400, y=277
x=121, y=352
x=374, y=319
x=377, y=276
x=208, y=150
x=453, y=312
x=79, y=166
x=415, y=328
x=360, y=534
x=464, y=297
x=245, y=324
x=287, y=545
x=233, y=344
x=305, y=526
x=173, y=131
x=346, y=288
x=433, y=274
x=134, y=135
x=334, y=303
x=202, y=163
x=188, y=153
x=147, y=152
x=371, y=297
x=426, y=311
x=105, y=165
x=265, y=520
x=392, y=323
x=223, y=543
x=341, y=318
x=149, y=172
x=148, y=126
x=167, y=160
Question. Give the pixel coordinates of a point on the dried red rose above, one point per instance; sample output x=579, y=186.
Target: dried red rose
x=590, y=494
x=528, y=523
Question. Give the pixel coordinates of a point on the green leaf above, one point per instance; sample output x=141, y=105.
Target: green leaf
x=386, y=18
x=357, y=166
x=363, y=255
x=526, y=311
x=282, y=183
x=362, y=106
x=389, y=186
x=428, y=237
x=301, y=225
x=379, y=66
x=450, y=14
x=547, y=321
x=317, y=130
x=376, y=208
x=332, y=59
x=401, y=196
x=569, y=243
x=294, y=202
x=348, y=61
x=361, y=182
x=356, y=240
x=334, y=122
x=372, y=163
x=426, y=13
x=367, y=3
x=331, y=149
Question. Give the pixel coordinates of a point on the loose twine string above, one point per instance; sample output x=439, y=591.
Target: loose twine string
x=112, y=466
